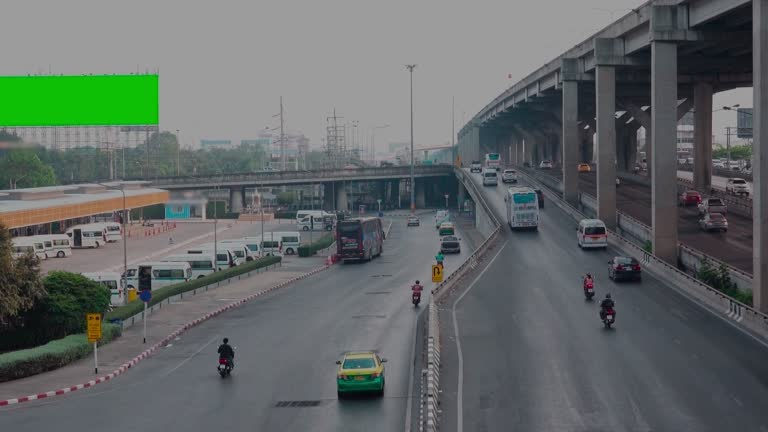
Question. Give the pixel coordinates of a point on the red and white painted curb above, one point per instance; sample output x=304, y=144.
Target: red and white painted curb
x=125, y=366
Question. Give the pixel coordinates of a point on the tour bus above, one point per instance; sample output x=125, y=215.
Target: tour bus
x=157, y=274
x=291, y=241
x=224, y=257
x=201, y=264
x=522, y=208
x=22, y=245
x=56, y=245
x=493, y=161
x=359, y=238
x=113, y=281
x=87, y=236
x=242, y=251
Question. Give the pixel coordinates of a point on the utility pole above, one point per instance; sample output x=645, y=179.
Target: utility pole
x=282, y=135
x=453, y=131
x=410, y=68
x=178, y=154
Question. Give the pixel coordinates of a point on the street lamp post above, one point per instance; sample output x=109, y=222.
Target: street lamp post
x=410, y=68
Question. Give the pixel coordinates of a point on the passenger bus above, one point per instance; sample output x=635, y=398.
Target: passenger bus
x=201, y=265
x=493, y=161
x=157, y=274
x=522, y=208
x=359, y=238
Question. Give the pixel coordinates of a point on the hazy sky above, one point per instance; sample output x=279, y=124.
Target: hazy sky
x=224, y=64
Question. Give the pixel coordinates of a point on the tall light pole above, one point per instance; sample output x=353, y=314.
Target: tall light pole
x=125, y=237
x=178, y=154
x=410, y=68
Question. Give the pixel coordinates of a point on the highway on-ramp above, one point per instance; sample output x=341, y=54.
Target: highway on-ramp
x=535, y=356
x=286, y=348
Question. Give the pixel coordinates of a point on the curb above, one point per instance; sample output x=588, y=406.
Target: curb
x=125, y=366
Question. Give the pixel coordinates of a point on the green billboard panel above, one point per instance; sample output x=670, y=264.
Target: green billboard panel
x=91, y=100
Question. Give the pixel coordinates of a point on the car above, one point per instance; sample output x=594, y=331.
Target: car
x=540, y=194
x=476, y=166
x=440, y=217
x=545, y=164
x=413, y=221
x=689, y=198
x=584, y=168
x=450, y=244
x=712, y=205
x=714, y=222
x=360, y=371
x=446, y=229
x=737, y=186
x=624, y=268
x=509, y=176
x=490, y=177
x=618, y=181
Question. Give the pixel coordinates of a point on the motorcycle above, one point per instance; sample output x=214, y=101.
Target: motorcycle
x=589, y=290
x=609, y=317
x=416, y=298
x=225, y=367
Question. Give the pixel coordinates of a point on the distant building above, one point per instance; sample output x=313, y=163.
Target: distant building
x=206, y=144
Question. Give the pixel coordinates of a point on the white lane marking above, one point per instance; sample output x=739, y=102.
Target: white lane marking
x=190, y=357
x=460, y=388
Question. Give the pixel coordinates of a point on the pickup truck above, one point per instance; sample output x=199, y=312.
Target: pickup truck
x=712, y=205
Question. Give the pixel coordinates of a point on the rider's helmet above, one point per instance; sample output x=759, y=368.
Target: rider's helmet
x=608, y=295
x=589, y=276
x=417, y=283
x=226, y=340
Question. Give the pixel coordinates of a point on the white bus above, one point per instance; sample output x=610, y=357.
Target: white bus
x=493, y=161
x=87, y=236
x=158, y=274
x=114, y=282
x=522, y=208
x=22, y=245
x=56, y=245
x=201, y=264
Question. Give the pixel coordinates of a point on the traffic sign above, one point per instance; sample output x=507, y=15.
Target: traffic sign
x=437, y=273
x=94, y=327
x=145, y=296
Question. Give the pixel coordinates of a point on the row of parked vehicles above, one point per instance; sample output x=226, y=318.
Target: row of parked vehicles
x=47, y=246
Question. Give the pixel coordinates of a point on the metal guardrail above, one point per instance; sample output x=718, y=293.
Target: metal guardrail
x=720, y=172
x=296, y=176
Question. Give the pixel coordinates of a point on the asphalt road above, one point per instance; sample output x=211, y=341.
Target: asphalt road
x=733, y=247
x=286, y=348
x=537, y=358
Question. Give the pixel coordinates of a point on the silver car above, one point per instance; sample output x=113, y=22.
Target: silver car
x=714, y=222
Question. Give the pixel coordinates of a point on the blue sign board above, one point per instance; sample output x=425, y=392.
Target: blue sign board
x=145, y=296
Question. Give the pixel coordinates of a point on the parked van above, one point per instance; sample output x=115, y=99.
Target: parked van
x=319, y=223
x=253, y=243
x=224, y=257
x=114, y=231
x=490, y=177
x=272, y=246
x=239, y=253
x=114, y=282
x=87, y=236
x=200, y=264
x=22, y=245
x=592, y=233
x=291, y=241
x=157, y=274
x=56, y=245
x=318, y=214
x=239, y=245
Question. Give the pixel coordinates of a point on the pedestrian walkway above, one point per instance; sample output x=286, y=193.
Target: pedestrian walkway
x=159, y=325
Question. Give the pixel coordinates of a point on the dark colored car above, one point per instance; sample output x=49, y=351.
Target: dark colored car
x=540, y=194
x=624, y=268
x=689, y=198
x=450, y=244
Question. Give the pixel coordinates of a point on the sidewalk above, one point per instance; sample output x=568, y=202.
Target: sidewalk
x=159, y=325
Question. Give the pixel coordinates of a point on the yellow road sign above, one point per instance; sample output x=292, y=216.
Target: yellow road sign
x=94, y=327
x=437, y=273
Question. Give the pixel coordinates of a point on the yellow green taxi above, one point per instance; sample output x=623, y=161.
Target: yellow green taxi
x=447, y=228
x=360, y=371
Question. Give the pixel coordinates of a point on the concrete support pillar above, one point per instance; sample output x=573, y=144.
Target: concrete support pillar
x=461, y=195
x=570, y=141
x=702, y=136
x=341, y=196
x=760, y=154
x=421, y=195
x=622, y=141
x=663, y=157
x=235, y=199
x=605, y=83
x=329, y=199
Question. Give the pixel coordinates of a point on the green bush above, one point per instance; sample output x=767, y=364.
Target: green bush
x=52, y=355
x=131, y=309
x=720, y=279
x=648, y=246
x=312, y=248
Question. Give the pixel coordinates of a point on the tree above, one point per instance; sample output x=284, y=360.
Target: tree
x=286, y=198
x=22, y=168
x=738, y=152
x=20, y=286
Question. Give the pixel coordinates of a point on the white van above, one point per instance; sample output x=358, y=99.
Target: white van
x=22, y=245
x=224, y=257
x=162, y=274
x=87, y=236
x=240, y=248
x=318, y=214
x=490, y=177
x=201, y=264
x=592, y=233
x=270, y=245
x=291, y=241
x=239, y=253
x=305, y=224
x=253, y=244
x=56, y=245
x=114, y=231
x=114, y=282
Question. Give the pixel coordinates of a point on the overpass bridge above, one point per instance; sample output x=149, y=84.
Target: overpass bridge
x=647, y=69
x=432, y=181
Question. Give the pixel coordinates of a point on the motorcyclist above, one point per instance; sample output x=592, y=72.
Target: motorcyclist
x=606, y=304
x=588, y=280
x=227, y=352
x=417, y=287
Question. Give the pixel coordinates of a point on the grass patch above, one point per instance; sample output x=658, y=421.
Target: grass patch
x=131, y=309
